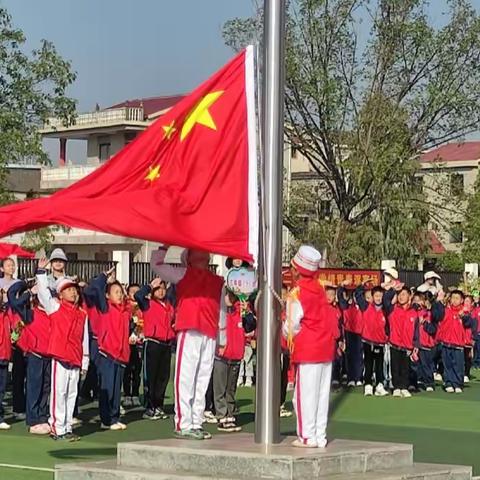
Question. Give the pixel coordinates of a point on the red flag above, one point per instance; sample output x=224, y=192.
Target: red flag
x=190, y=179
x=8, y=249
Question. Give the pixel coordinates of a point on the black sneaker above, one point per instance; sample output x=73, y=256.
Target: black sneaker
x=55, y=437
x=149, y=414
x=228, y=427
x=160, y=414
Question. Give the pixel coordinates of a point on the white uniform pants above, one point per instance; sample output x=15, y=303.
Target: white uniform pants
x=63, y=394
x=310, y=400
x=193, y=369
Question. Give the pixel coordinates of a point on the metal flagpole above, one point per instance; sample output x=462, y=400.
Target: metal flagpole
x=267, y=421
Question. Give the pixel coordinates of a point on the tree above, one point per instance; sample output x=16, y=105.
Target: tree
x=361, y=112
x=471, y=227
x=32, y=89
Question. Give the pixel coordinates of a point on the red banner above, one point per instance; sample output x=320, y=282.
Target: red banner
x=336, y=276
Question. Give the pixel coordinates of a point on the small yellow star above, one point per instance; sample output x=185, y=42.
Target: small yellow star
x=169, y=130
x=153, y=173
x=201, y=115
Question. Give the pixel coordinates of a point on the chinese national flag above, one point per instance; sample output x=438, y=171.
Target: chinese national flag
x=190, y=179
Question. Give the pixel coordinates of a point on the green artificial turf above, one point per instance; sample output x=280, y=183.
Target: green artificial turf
x=443, y=428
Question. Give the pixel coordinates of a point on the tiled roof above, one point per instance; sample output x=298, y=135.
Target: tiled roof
x=151, y=104
x=453, y=152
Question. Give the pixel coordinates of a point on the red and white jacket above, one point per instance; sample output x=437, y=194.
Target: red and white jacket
x=199, y=294
x=68, y=340
x=314, y=323
x=374, y=325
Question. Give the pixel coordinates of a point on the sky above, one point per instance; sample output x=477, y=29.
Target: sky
x=124, y=49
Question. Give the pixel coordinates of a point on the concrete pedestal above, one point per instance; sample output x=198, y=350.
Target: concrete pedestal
x=237, y=457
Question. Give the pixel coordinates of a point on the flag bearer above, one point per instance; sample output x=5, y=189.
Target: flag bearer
x=312, y=334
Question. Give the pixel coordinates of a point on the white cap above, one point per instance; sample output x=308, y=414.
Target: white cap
x=431, y=274
x=391, y=272
x=58, y=254
x=64, y=283
x=307, y=260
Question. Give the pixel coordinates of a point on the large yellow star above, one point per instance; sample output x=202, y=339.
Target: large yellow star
x=200, y=114
x=169, y=130
x=153, y=173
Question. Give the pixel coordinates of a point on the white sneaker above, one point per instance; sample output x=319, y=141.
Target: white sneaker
x=122, y=425
x=380, y=390
x=122, y=411
x=127, y=402
x=449, y=389
x=40, y=429
x=368, y=391
x=406, y=394
x=299, y=444
x=458, y=390
x=359, y=383
x=5, y=426
x=351, y=384
x=116, y=426
x=397, y=393
x=240, y=382
x=210, y=417
x=248, y=382
x=136, y=402
x=437, y=377
x=466, y=379
x=429, y=389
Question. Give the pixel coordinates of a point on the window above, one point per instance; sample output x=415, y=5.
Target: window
x=456, y=184
x=325, y=208
x=456, y=233
x=103, y=151
x=418, y=184
x=129, y=137
x=101, y=256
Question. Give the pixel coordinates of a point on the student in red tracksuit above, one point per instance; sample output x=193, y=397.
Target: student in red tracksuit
x=427, y=329
x=5, y=356
x=68, y=348
x=199, y=294
x=158, y=318
x=314, y=334
x=402, y=319
x=374, y=338
x=133, y=371
x=34, y=340
x=113, y=347
x=230, y=349
x=352, y=324
x=470, y=333
x=333, y=311
x=451, y=335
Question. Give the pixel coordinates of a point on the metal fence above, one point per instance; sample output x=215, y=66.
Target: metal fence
x=83, y=269
x=414, y=278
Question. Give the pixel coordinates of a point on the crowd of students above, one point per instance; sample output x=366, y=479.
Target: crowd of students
x=399, y=339
x=60, y=334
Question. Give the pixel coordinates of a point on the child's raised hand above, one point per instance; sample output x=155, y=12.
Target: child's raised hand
x=110, y=271
x=43, y=262
x=441, y=296
x=346, y=283
x=155, y=283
